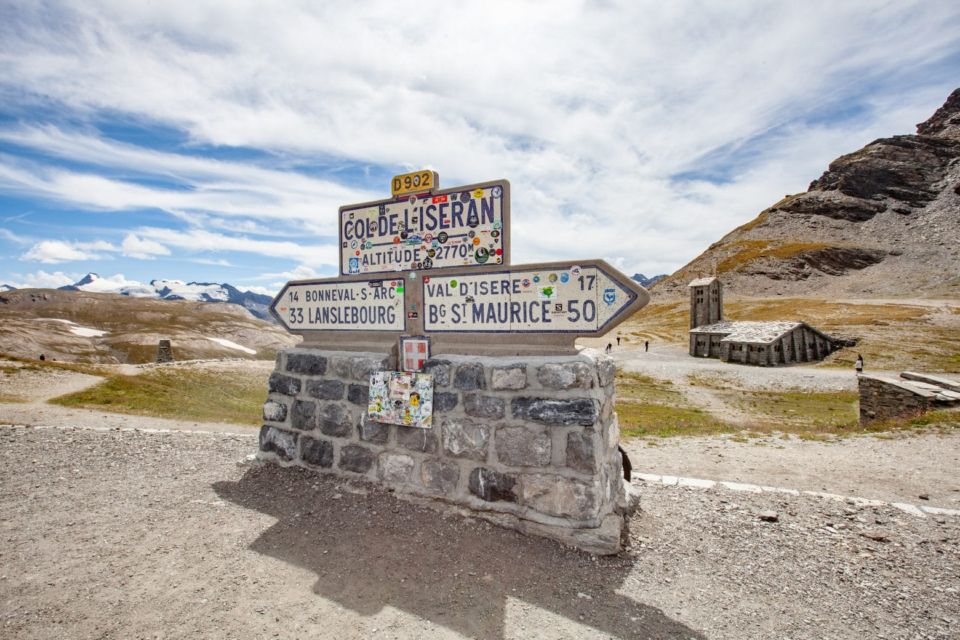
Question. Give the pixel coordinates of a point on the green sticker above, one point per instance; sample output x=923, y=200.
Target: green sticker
x=453, y=283
x=400, y=289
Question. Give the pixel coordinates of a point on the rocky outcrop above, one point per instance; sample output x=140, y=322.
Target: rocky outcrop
x=900, y=173
x=882, y=220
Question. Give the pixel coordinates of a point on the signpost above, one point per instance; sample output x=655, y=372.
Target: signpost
x=449, y=251
x=334, y=305
x=550, y=298
x=462, y=226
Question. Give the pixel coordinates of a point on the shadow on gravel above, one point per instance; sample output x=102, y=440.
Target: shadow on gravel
x=371, y=550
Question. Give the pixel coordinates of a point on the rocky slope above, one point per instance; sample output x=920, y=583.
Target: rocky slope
x=100, y=327
x=882, y=221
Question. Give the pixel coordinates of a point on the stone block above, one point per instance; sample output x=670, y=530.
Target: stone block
x=341, y=366
x=395, y=467
x=445, y=401
x=363, y=366
x=566, y=375
x=424, y=440
x=303, y=415
x=440, y=475
x=283, y=443
x=558, y=496
x=523, y=446
x=481, y=406
x=465, y=438
x=359, y=394
x=325, y=389
x=274, y=411
x=606, y=370
x=334, y=420
x=492, y=486
x=372, y=431
x=509, y=378
x=304, y=363
x=550, y=411
x=356, y=458
x=581, y=455
x=286, y=385
x=469, y=377
x=316, y=452
x=440, y=370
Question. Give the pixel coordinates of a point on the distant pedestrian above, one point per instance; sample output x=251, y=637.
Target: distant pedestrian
x=42, y=357
x=618, y=340
x=646, y=345
x=858, y=365
x=609, y=347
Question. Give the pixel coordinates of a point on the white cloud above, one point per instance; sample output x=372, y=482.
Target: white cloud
x=56, y=251
x=590, y=109
x=200, y=240
x=300, y=272
x=137, y=247
x=10, y=236
x=43, y=280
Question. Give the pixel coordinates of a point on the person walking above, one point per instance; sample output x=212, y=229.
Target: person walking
x=646, y=345
x=618, y=339
x=858, y=365
x=609, y=347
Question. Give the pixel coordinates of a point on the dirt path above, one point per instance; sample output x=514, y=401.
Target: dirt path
x=894, y=468
x=123, y=534
x=37, y=386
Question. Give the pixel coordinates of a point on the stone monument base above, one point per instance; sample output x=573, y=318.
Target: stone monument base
x=526, y=442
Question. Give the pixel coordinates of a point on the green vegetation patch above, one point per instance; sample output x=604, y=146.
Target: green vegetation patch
x=203, y=395
x=650, y=407
x=799, y=411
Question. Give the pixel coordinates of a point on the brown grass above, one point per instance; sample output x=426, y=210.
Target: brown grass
x=746, y=251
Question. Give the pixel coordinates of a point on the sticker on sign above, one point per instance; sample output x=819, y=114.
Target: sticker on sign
x=529, y=299
x=341, y=306
x=463, y=226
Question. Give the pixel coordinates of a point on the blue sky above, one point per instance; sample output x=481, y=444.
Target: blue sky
x=215, y=141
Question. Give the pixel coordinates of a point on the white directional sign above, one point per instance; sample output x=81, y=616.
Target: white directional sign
x=532, y=298
x=374, y=305
x=463, y=226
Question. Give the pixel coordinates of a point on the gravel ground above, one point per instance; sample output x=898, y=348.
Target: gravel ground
x=126, y=534
x=896, y=467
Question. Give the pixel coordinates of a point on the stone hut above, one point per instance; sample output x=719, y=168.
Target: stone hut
x=760, y=343
x=706, y=302
x=749, y=341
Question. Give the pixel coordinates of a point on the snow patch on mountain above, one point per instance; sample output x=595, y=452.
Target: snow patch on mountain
x=77, y=329
x=195, y=291
x=230, y=344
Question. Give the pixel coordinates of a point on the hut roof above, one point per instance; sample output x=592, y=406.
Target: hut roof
x=750, y=331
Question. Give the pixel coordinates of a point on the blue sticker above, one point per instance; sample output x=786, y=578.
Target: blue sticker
x=610, y=296
x=564, y=278
x=354, y=265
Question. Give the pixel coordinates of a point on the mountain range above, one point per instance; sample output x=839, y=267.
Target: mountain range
x=256, y=303
x=646, y=282
x=883, y=221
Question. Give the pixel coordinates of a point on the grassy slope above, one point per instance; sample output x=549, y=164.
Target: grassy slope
x=187, y=394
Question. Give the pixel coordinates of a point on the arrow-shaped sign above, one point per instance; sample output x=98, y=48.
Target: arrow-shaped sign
x=586, y=298
x=337, y=305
